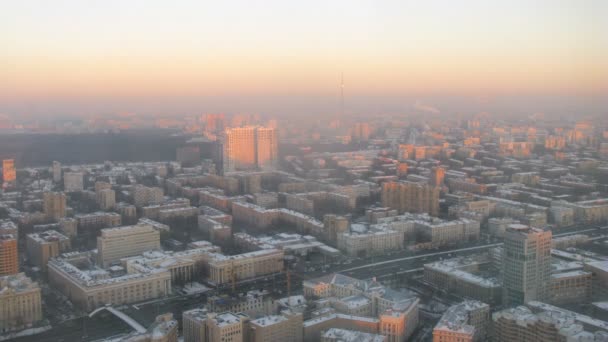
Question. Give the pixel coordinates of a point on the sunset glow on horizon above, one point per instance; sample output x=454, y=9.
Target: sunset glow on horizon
x=117, y=49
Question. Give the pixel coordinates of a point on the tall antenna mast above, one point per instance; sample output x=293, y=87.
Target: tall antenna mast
x=341, y=97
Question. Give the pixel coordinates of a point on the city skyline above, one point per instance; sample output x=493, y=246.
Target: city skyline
x=115, y=56
x=340, y=171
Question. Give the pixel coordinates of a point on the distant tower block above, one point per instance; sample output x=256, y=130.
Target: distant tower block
x=437, y=176
x=9, y=174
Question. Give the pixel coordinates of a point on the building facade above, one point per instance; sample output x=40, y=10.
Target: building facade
x=414, y=197
x=20, y=303
x=526, y=268
x=121, y=242
x=9, y=256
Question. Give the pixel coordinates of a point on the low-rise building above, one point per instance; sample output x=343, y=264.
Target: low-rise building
x=343, y=335
x=116, y=243
x=20, y=303
x=284, y=327
x=465, y=322
x=545, y=323
x=252, y=303
x=88, y=223
x=570, y=287
x=89, y=287
x=41, y=247
x=225, y=269
x=457, y=276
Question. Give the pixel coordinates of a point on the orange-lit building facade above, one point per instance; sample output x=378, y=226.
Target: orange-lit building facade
x=9, y=174
x=250, y=148
x=9, y=258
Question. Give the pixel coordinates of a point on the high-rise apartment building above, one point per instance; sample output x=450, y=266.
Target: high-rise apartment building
x=9, y=174
x=239, y=149
x=54, y=205
x=56, y=171
x=9, y=258
x=73, y=181
x=526, y=267
x=266, y=148
x=121, y=242
x=413, y=197
x=251, y=147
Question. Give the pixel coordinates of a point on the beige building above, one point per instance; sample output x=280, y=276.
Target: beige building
x=599, y=270
x=526, y=267
x=153, y=211
x=334, y=225
x=458, y=276
x=89, y=287
x=465, y=322
x=97, y=220
x=20, y=303
x=106, y=199
x=41, y=247
x=442, y=233
x=201, y=325
x=593, y=211
x=121, y=242
x=54, y=205
x=184, y=266
x=194, y=325
x=225, y=327
x=73, y=181
x=225, y=269
x=284, y=327
x=127, y=212
x=414, y=197
x=363, y=242
x=253, y=303
x=551, y=325
x=570, y=287
x=68, y=226
x=177, y=213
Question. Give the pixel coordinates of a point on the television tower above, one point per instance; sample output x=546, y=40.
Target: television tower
x=341, y=99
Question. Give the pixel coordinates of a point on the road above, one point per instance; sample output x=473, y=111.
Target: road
x=386, y=266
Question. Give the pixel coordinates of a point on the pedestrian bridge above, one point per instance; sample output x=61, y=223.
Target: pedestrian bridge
x=130, y=321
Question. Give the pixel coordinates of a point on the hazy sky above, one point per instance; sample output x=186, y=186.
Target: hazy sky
x=220, y=55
